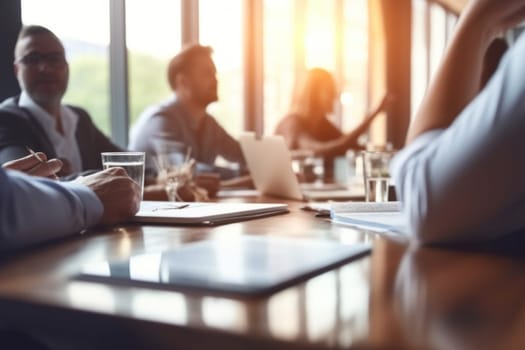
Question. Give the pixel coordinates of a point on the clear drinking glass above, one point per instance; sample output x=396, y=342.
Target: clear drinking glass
x=132, y=162
x=174, y=166
x=376, y=175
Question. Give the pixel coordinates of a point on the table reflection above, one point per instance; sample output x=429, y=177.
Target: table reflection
x=331, y=308
x=456, y=300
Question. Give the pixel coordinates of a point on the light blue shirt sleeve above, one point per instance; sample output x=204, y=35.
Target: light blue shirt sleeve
x=467, y=182
x=34, y=210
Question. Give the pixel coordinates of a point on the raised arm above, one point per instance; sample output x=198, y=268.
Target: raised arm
x=343, y=142
x=353, y=135
x=458, y=78
x=460, y=176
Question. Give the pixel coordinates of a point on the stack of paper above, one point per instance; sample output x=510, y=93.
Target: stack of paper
x=380, y=217
x=204, y=213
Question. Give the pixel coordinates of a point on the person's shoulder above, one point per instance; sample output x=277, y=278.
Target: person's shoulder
x=172, y=109
x=291, y=116
x=12, y=115
x=85, y=121
x=290, y=120
x=10, y=106
x=163, y=109
x=10, y=102
x=79, y=111
x=210, y=118
x=152, y=120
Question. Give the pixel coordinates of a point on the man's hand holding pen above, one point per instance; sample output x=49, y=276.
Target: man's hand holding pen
x=36, y=164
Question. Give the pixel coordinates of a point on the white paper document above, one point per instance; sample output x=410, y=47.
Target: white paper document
x=204, y=213
x=379, y=217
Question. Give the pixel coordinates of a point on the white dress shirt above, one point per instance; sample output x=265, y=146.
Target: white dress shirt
x=467, y=182
x=65, y=144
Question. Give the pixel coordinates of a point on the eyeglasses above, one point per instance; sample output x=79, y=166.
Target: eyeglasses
x=54, y=60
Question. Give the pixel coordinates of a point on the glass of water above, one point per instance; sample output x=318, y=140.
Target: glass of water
x=376, y=175
x=174, y=166
x=132, y=162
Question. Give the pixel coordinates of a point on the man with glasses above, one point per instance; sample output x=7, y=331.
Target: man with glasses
x=37, y=118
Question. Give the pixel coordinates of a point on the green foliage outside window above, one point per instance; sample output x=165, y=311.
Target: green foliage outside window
x=89, y=88
x=89, y=85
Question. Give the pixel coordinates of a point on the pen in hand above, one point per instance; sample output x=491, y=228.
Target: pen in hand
x=34, y=154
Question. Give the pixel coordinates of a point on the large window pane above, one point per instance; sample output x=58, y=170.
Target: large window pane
x=420, y=67
x=279, y=68
x=430, y=26
x=320, y=34
x=438, y=29
x=354, y=86
x=220, y=26
x=153, y=37
x=83, y=27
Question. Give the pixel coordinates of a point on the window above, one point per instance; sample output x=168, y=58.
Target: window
x=279, y=65
x=86, y=42
x=297, y=34
x=438, y=30
x=419, y=54
x=153, y=36
x=431, y=29
x=354, y=85
x=220, y=26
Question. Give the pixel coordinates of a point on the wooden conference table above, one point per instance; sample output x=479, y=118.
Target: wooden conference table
x=397, y=297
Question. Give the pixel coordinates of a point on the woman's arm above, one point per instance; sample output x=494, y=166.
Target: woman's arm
x=352, y=136
x=341, y=144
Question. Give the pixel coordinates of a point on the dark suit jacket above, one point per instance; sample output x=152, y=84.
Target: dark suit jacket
x=19, y=128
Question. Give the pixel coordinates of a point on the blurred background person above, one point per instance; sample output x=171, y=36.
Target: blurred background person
x=183, y=118
x=38, y=119
x=307, y=128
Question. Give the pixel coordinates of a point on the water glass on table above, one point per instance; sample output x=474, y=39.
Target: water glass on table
x=376, y=174
x=132, y=162
x=174, y=166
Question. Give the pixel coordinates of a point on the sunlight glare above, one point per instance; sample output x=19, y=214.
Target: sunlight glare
x=86, y=21
x=346, y=98
x=319, y=48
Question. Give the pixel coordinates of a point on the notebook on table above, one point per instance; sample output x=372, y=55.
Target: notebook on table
x=246, y=265
x=379, y=217
x=270, y=163
x=204, y=213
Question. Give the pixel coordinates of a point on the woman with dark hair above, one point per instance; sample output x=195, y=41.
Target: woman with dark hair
x=307, y=126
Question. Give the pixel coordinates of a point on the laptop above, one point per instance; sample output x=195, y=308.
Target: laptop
x=270, y=163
